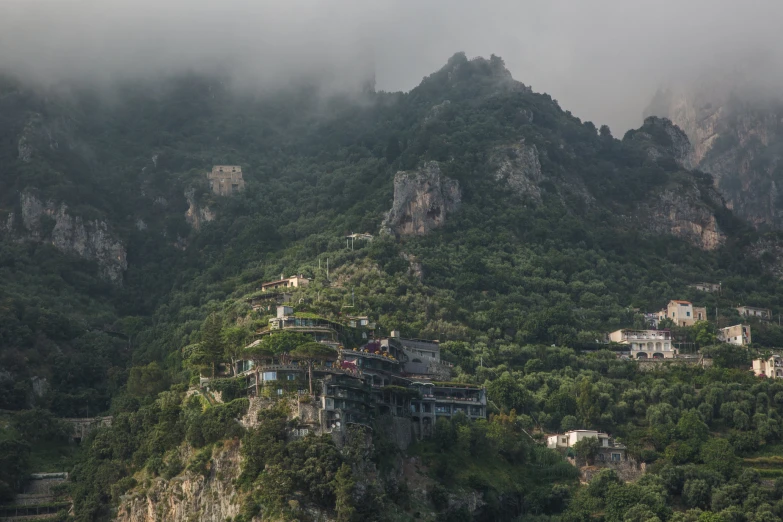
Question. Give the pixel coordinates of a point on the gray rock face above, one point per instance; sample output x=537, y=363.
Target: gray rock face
x=196, y=214
x=188, y=496
x=34, y=136
x=682, y=212
x=422, y=200
x=519, y=167
x=735, y=137
x=92, y=240
x=664, y=138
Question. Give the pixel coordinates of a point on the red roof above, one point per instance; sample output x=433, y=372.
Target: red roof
x=678, y=301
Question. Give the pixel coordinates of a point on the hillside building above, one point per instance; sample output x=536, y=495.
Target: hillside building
x=751, y=311
x=286, y=282
x=738, y=334
x=365, y=382
x=225, y=180
x=608, y=449
x=422, y=357
x=644, y=344
x=713, y=288
x=771, y=368
x=683, y=313
x=269, y=301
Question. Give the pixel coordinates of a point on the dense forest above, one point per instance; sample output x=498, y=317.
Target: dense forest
x=519, y=286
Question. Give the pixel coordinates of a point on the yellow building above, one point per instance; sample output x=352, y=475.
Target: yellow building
x=683, y=313
x=288, y=282
x=772, y=367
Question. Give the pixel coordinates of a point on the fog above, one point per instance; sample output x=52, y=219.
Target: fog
x=601, y=59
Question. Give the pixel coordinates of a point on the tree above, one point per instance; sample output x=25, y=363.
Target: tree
x=586, y=449
x=212, y=345
x=703, y=333
x=605, y=132
x=343, y=490
x=587, y=403
x=719, y=455
x=234, y=339
x=310, y=353
x=259, y=353
x=149, y=380
x=284, y=342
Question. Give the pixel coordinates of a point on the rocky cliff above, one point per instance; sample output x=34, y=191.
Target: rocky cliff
x=661, y=137
x=682, y=212
x=422, y=200
x=189, y=496
x=685, y=206
x=736, y=137
x=518, y=166
x=196, y=213
x=51, y=222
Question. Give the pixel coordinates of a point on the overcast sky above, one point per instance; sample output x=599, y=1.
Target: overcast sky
x=601, y=59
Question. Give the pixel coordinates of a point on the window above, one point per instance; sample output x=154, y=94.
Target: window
x=687, y=314
x=270, y=376
x=280, y=391
x=290, y=377
x=565, y=440
x=615, y=457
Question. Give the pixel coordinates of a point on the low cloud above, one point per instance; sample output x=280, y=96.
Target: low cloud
x=602, y=59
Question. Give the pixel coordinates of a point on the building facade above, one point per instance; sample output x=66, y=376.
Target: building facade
x=738, y=334
x=707, y=287
x=752, y=311
x=609, y=449
x=683, y=313
x=771, y=368
x=225, y=180
x=644, y=344
x=286, y=282
x=362, y=382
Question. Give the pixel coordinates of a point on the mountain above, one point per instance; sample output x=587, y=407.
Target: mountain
x=736, y=136
x=503, y=225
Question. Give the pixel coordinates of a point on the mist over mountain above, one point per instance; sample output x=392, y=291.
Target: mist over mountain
x=604, y=61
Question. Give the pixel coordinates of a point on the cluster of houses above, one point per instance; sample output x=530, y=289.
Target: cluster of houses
x=657, y=343
x=369, y=376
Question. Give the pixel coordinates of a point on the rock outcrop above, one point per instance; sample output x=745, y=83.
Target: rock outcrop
x=661, y=137
x=519, y=167
x=196, y=214
x=736, y=137
x=683, y=212
x=93, y=240
x=189, y=496
x=422, y=200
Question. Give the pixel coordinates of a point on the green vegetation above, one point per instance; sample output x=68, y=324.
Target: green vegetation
x=519, y=291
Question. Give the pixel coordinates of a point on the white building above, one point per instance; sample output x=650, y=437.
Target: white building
x=752, y=311
x=738, y=334
x=645, y=344
x=608, y=448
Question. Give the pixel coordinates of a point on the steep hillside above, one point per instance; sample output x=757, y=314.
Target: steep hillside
x=503, y=225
